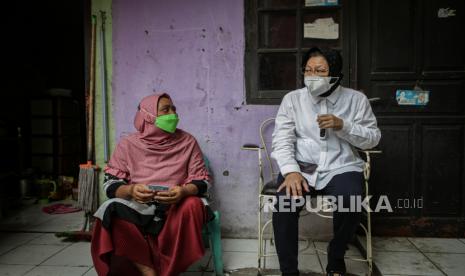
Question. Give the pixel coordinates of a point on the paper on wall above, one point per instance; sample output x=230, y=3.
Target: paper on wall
x=322, y=28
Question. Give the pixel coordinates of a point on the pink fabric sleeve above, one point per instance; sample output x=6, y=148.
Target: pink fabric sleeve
x=197, y=169
x=117, y=166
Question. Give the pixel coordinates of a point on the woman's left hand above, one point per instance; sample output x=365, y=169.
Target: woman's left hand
x=172, y=196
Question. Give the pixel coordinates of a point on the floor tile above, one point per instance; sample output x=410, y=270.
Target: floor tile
x=304, y=248
x=58, y=225
x=77, y=254
x=322, y=246
x=266, y=272
x=404, y=263
x=397, y=244
x=9, y=241
x=353, y=267
x=244, y=272
x=309, y=263
x=25, y=219
x=203, y=264
x=240, y=245
x=451, y=264
x=235, y=260
x=438, y=245
x=17, y=238
x=462, y=240
x=48, y=238
x=393, y=244
x=30, y=254
x=241, y=260
x=270, y=262
x=91, y=272
x=14, y=270
x=57, y=271
x=5, y=248
x=31, y=218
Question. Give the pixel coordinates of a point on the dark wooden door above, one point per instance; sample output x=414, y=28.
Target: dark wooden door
x=402, y=44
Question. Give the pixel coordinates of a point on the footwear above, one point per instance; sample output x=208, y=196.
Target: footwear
x=291, y=274
x=336, y=267
x=335, y=273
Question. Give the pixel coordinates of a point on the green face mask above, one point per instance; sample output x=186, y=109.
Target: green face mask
x=167, y=122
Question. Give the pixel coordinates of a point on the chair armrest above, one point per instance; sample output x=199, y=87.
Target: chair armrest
x=250, y=147
x=374, y=150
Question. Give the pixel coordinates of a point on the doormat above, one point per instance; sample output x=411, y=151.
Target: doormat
x=60, y=208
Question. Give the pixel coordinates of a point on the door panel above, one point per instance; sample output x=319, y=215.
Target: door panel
x=402, y=45
x=393, y=170
x=446, y=97
x=392, y=40
x=444, y=45
x=442, y=169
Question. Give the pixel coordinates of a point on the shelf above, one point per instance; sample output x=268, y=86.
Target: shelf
x=55, y=137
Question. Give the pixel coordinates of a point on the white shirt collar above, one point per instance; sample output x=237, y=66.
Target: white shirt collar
x=331, y=98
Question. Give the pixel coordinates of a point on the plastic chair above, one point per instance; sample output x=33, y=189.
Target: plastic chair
x=212, y=236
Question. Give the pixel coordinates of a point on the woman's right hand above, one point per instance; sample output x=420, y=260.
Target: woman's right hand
x=294, y=182
x=141, y=193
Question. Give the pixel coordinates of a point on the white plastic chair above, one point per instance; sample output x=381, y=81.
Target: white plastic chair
x=266, y=193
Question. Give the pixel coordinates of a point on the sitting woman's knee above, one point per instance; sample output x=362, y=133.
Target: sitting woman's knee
x=191, y=203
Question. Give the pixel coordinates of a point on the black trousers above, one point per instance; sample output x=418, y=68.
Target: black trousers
x=286, y=224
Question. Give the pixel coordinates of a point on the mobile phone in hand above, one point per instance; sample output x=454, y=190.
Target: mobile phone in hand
x=157, y=188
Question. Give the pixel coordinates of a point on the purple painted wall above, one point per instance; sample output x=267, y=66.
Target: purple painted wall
x=194, y=50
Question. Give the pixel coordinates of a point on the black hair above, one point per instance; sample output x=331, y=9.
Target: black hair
x=333, y=57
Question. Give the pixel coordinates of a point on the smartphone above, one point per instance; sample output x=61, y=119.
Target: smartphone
x=157, y=188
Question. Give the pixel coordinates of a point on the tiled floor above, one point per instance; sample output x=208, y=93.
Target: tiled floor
x=29, y=247
x=419, y=256
x=242, y=253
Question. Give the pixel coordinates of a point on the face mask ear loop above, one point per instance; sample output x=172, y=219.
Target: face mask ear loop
x=333, y=80
x=145, y=111
x=334, y=86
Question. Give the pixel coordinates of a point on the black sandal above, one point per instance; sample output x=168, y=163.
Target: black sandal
x=335, y=273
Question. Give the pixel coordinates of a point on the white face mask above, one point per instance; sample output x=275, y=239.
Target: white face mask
x=317, y=85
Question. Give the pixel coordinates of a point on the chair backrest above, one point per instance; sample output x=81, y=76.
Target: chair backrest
x=266, y=131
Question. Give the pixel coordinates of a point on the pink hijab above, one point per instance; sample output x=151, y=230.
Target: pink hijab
x=153, y=156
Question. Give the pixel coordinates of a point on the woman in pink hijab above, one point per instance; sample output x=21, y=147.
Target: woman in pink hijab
x=140, y=230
